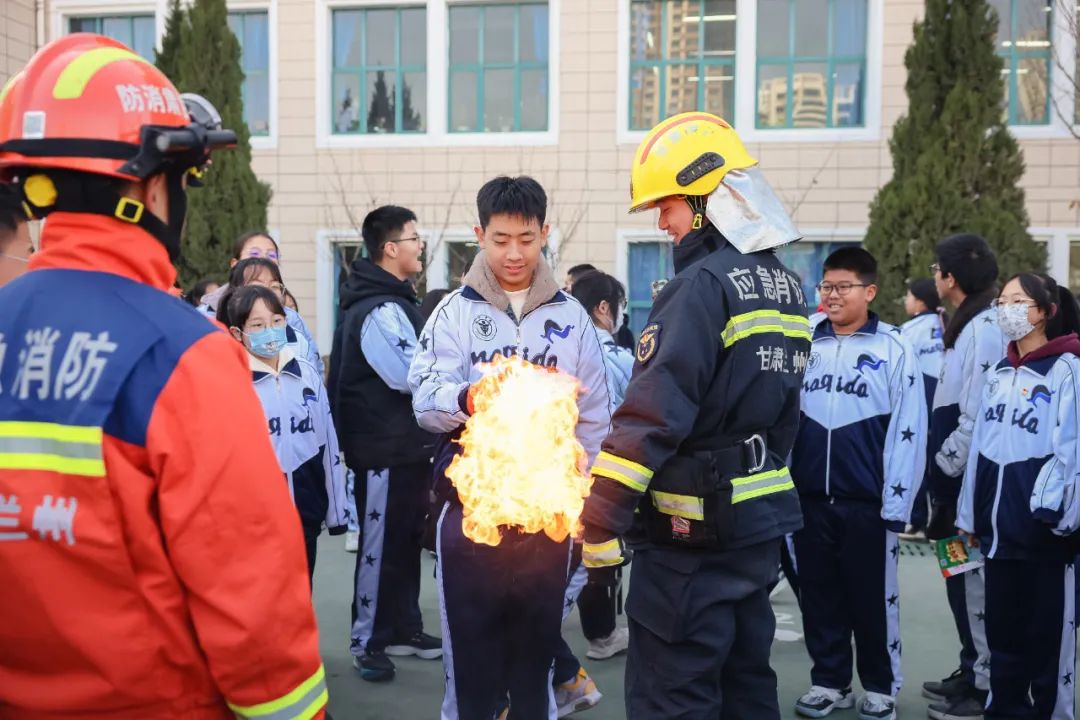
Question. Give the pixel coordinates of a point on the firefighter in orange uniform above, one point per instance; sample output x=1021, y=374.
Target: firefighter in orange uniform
x=152, y=562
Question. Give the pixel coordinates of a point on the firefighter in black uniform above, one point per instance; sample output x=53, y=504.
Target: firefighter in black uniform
x=692, y=473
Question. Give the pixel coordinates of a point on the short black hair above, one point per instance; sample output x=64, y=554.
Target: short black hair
x=855, y=259
x=579, y=270
x=594, y=287
x=518, y=196
x=238, y=246
x=925, y=290
x=195, y=295
x=969, y=260
x=243, y=271
x=238, y=302
x=381, y=224
x=431, y=301
x=12, y=213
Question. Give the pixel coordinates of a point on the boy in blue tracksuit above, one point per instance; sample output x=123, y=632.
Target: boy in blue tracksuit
x=1019, y=498
x=502, y=606
x=860, y=450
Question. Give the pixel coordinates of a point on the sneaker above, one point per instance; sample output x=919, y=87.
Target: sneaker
x=965, y=708
x=913, y=534
x=876, y=706
x=576, y=695
x=352, y=542
x=422, y=645
x=610, y=646
x=374, y=666
x=820, y=701
x=948, y=688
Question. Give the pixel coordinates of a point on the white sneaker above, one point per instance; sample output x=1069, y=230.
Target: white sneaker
x=576, y=695
x=610, y=646
x=876, y=706
x=352, y=542
x=820, y=701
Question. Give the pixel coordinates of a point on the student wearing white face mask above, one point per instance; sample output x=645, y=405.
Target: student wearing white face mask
x=1019, y=500
x=297, y=411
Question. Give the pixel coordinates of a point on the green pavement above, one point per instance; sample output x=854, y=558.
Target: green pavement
x=416, y=693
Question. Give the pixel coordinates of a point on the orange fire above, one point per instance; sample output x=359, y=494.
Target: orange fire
x=521, y=464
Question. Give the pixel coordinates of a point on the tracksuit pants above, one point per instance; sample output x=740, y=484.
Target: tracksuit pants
x=701, y=630
x=967, y=601
x=1031, y=631
x=848, y=582
x=502, y=608
x=391, y=504
x=597, y=605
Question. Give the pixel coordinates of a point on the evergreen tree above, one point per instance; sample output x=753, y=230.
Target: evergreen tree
x=175, y=23
x=956, y=168
x=410, y=118
x=232, y=200
x=381, y=112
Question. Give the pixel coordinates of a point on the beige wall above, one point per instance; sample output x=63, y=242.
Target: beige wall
x=17, y=36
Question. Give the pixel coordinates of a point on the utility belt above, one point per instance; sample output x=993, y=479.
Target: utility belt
x=691, y=500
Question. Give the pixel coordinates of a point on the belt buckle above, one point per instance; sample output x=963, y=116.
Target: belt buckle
x=756, y=445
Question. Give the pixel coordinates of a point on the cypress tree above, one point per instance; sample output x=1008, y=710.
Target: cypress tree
x=956, y=168
x=232, y=200
x=168, y=56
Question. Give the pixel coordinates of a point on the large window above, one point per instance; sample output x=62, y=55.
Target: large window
x=807, y=260
x=649, y=263
x=1023, y=42
x=135, y=31
x=811, y=63
x=252, y=31
x=380, y=70
x=498, y=67
x=682, y=58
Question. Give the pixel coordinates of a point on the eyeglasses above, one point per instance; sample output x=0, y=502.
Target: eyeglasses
x=277, y=287
x=1003, y=302
x=258, y=325
x=256, y=253
x=841, y=289
x=405, y=239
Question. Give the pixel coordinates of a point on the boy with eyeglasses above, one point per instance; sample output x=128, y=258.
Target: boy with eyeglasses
x=861, y=445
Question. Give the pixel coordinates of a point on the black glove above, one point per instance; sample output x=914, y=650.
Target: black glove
x=942, y=523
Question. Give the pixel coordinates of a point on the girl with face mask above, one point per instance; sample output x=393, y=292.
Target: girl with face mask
x=1019, y=499
x=297, y=411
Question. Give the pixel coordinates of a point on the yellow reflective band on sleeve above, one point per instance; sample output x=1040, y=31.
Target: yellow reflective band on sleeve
x=686, y=506
x=766, y=483
x=68, y=449
x=602, y=554
x=629, y=473
x=300, y=704
x=76, y=76
x=765, y=321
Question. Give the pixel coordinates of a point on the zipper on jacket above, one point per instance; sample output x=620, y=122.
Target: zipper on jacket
x=1001, y=470
x=828, y=432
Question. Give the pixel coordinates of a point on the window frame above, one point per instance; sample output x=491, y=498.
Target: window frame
x=244, y=9
x=123, y=14
x=438, y=63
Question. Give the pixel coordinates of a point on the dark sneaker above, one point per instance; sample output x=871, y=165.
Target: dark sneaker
x=820, y=701
x=948, y=689
x=967, y=708
x=422, y=645
x=374, y=666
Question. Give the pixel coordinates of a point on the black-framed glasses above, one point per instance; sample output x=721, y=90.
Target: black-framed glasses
x=412, y=238
x=841, y=289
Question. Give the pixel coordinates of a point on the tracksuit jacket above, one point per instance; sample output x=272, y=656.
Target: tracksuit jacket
x=924, y=332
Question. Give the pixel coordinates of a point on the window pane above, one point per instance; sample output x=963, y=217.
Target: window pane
x=719, y=24
x=1004, y=13
x=463, y=101
x=684, y=24
x=143, y=37
x=499, y=100
x=644, y=89
x=414, y=102
x=380, y=33
x=464, y=35
x=1031, y=75
x=772, y=96
x=534, y=100
x=499, y=34
x=806, y=260
x=414, y=37
x=533, y=43
x=810, y=96
x=1032, y=24
x=76, y=25
x=459, y=258
x=849, y=27
x=812, y=28
x=644, y=264
x=256, y=42
x=682, y=89
x=380, y=106
x=118, y=28
x=773, y=28
x=257, y=104
x=847, y=96
x=347, y=24
x=236, y=24
x=720, y=90
x=645, y=30
x=346, y=103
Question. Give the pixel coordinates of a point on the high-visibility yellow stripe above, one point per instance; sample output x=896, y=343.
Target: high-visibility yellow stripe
x=602, y=554
x=765, y=321
x=74, y=78
x=766, y=483
x=296, y=705
x=750, y=495
x=687, y=506
x=51, y=431
x=53, y=463
x=629, y=473
x=620, y=478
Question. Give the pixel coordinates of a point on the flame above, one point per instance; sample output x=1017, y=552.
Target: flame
x=521, y=464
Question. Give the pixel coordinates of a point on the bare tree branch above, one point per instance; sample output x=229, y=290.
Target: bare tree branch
x=813, y=181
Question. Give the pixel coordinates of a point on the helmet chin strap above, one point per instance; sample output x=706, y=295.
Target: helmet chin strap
x=697, y=203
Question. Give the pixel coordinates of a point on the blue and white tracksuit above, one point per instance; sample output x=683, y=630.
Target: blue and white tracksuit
x=924, y=332
x=501, y=606
x=305, y=442
x=1019, y=497
x=297, y=336
x=857, y=459
x=979, y=347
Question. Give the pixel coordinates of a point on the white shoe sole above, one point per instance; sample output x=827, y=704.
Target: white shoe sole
x=842, y=704
x=409, y=650
x=604, y=654
x=877, y=717
x=582, y=703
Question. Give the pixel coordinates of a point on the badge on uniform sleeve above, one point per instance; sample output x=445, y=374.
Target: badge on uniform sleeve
x=648, y=342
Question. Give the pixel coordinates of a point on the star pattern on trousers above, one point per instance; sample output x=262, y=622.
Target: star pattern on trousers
x=365, y=601
x=893, y=599
x=908, y=434
x=894, y=645
x=895, y=550
x=910, y=380
x=898, y=490
x=370, y=560
x=374, y=515
x=403, y=344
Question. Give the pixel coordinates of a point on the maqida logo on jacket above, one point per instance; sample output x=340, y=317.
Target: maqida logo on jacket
x=1037, y=393
x=552, y=328
x=868, y=361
